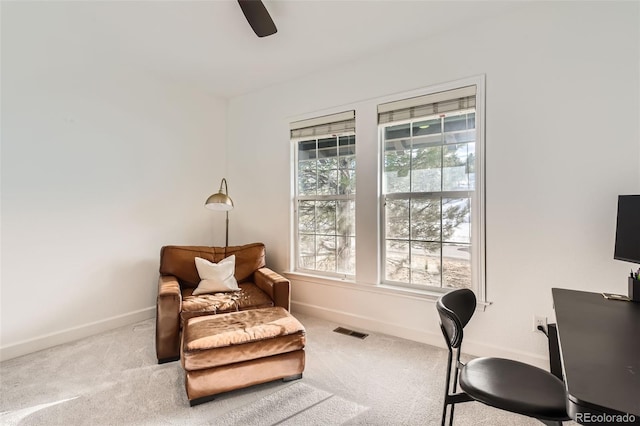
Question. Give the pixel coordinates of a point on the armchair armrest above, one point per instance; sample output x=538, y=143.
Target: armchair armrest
x=275, y=285
x=168, y=319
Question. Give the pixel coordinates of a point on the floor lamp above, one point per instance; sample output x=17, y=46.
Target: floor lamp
x=221, y=202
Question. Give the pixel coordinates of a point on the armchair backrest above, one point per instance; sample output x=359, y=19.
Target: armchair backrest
x=179, y=261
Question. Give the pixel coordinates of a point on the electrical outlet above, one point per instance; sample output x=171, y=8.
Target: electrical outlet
x=539, y=321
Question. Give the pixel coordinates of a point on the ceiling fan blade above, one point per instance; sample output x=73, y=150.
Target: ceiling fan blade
x=258, y=17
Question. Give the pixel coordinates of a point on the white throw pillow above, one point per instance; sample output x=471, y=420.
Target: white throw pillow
x=216, y=277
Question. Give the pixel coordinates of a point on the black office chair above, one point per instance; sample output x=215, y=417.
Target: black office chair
x=502, y=383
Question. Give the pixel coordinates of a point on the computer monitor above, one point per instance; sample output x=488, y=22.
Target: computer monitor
x=628, y=229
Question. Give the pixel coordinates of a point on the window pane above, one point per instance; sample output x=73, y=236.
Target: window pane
x=397, y=163
x=346, y=165
x=346, y=218
x=307, y=150
x=428, y=131
x=306, y=217
x=397, y=216
x=307, y=251
x=328, y=147
x=326, y=217
x=328, y=166
x=425, y=263
x=456, y=167
x=425, y=219
x=326, y=253
x=456, y=220
x=307, y=181
x=346, y=255
x=459, y=128
x=456, y=259
x=400, y=131
x=471, y=165
x=346, y=176
x=426, y=169
x=397, y=264
x=347, y=145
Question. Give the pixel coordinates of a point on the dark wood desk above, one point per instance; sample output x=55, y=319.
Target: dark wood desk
x=600, y=351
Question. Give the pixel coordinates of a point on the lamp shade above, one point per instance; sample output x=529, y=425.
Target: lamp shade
x=220, y=201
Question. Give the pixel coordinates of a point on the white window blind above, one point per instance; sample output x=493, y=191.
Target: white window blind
x=427, y=105
x=333, y=124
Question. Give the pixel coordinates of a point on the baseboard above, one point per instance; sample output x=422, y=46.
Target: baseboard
x=69, y=335
x=471, y=347
x=367, y=323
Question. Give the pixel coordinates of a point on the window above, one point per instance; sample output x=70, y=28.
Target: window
x=325, y=187
x=431, y=214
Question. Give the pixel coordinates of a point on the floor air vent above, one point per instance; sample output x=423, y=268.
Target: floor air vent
x=348, y=332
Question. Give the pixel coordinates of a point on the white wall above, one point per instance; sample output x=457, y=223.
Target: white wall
x=102, y=164
x=562, y=141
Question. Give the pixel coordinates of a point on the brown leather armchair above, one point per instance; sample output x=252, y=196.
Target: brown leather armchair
x=260, y=288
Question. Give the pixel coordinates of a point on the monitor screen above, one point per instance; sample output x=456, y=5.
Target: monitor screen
x=628, y=229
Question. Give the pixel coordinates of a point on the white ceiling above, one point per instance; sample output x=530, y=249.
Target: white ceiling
x=209, y=44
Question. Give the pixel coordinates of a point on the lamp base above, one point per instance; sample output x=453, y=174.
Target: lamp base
x=634, y=289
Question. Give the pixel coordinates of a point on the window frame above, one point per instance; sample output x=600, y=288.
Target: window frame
x=296, y=254
x=477, y=257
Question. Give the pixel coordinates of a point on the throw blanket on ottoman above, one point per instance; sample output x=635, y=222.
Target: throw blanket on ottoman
x=230, y=351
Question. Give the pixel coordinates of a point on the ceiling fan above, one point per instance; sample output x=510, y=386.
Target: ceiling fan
x=258, y=17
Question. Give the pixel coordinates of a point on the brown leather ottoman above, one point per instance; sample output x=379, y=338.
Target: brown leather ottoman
x=224, y=352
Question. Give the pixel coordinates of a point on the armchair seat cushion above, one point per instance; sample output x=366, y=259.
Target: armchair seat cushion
x=249, y=297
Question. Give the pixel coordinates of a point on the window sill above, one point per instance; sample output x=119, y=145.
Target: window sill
x=384, y=289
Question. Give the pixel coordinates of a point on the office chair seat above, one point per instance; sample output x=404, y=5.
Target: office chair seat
x=514, y=386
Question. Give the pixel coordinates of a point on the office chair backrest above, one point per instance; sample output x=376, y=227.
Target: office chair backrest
x=455, y=309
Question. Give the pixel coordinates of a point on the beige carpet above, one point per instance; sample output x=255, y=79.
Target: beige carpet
x=113, y=379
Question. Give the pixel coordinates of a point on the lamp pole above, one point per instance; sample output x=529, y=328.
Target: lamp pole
x=221, y=202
